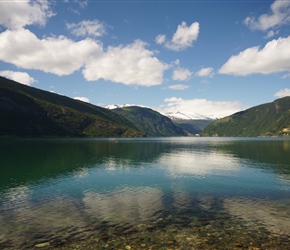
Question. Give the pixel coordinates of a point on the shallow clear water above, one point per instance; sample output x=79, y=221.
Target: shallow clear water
x=153, y=193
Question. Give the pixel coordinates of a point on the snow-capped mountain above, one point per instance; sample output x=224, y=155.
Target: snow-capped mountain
x=190, y=116
x=115, y=106
x=174, y=116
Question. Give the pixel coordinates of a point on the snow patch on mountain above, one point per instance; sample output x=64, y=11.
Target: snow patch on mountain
x=190, y=116
x=116, y=106
x=172, y=115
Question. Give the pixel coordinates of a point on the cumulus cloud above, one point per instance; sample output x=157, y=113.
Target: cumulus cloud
x=182, y=38
x=21, y=77
x=57, y=55
x=181, y=74
x=81, y=98
x=160, y=39
x=178, y=87
x=280, y=14
x=274, y=57
x=131, y=65
x=205, y=72
x=282, y=93
x=17, y=14
x=200, y=106
x=92, y=28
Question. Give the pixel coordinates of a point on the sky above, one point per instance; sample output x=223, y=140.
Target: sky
x=207, y=57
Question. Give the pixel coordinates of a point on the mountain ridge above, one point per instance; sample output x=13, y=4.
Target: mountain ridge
x=179, y=115
x=150, y=121
x=182, y=115
x=28, y=111
x=269, y=119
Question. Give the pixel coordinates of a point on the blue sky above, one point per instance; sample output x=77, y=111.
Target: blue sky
x=208, y=57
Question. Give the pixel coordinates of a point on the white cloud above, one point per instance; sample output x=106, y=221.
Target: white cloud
x=181, y=74
x=274, y=57
x=200, y=106
x=178, y=87
x=205, y=72
x=21, y=77
x=183, y=37
x=76, y=5
x=286, y=76
x=81, y=98
x=17, y=14
x=131, y=65
x=280, y=15
x=93, y=28
x=82, y=3
x=57, y=55
x=270, y=34
x=282, y=93
x=160, y=39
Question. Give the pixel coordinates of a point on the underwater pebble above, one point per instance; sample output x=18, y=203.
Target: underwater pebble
x=45, y=244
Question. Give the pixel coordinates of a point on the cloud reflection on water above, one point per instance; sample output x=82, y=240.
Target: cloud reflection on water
x=272, y=215
x=28, y=222
x=125, y=206
x=179, y=163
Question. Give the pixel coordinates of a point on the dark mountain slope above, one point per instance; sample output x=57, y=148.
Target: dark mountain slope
x=192, y=126
x=150, y=122
x=270, y=119
x=27, y=111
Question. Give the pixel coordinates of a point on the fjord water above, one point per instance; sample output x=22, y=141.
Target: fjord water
x=149, y=193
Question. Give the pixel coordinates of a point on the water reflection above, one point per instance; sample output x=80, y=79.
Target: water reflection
x=268, y=151
x=125, y=206
x=180, y=163
x=272, y=215
x=27, y=220
x=57, y=190
x=23, y=161
x=49, y=220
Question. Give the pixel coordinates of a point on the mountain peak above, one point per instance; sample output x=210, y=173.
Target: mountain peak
x=179, y=115
x=118, y=106
x=189, y=116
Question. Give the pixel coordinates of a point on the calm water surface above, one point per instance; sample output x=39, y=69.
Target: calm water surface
x=169, y=193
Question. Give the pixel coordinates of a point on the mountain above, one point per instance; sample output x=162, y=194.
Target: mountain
x=192, y=126
x=190, y=116
x=27, y=111
x=270, y=119
x=150, y=121
x=115, y=106
x=191, y=123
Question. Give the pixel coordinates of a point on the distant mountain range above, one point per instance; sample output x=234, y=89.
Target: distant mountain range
x=150, y=121
x=190, y=116
x=191, y=123
x=30, y=112
x=270, y=119
x=184, y=115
